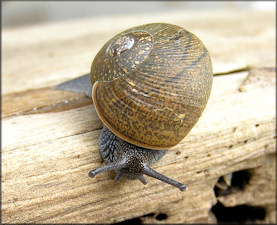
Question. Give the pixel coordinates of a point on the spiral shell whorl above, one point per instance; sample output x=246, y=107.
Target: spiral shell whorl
x=121, y=55
x=155, y=103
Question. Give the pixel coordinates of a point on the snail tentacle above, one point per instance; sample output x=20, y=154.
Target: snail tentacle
x=143, y=180
x=113, y=166
x=152, y=173
x=118, y=176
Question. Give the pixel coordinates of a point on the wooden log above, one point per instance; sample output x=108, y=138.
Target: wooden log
x=50, y=137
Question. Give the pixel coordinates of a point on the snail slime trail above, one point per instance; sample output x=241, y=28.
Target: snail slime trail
x=151, y=84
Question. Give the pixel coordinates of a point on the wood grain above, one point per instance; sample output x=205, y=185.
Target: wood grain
x=49, y=137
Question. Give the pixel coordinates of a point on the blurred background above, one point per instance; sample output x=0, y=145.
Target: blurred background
x=25, y=13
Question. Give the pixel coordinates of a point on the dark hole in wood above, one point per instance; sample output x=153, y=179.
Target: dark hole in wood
x=161, y=216
x=135, y=221
x=239, y=180
x=238, y=214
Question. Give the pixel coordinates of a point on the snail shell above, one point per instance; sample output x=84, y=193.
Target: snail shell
x=151, y=84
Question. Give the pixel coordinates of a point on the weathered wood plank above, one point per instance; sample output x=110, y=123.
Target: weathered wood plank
x=41, y=100
x=49, y=138
x=45, y=162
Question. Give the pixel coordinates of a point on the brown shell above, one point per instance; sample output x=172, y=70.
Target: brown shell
x=151, y=84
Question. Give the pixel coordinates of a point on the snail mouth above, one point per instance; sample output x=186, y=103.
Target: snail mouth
x=130, y=176
x=131, y=171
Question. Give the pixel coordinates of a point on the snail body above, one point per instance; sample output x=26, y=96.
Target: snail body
x=128, y=160
x=150, y=85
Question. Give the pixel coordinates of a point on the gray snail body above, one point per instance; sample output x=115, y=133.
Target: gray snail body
x=128, y=160
x=149, y=86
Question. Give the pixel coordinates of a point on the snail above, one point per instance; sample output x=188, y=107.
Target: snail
x=149, y=85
